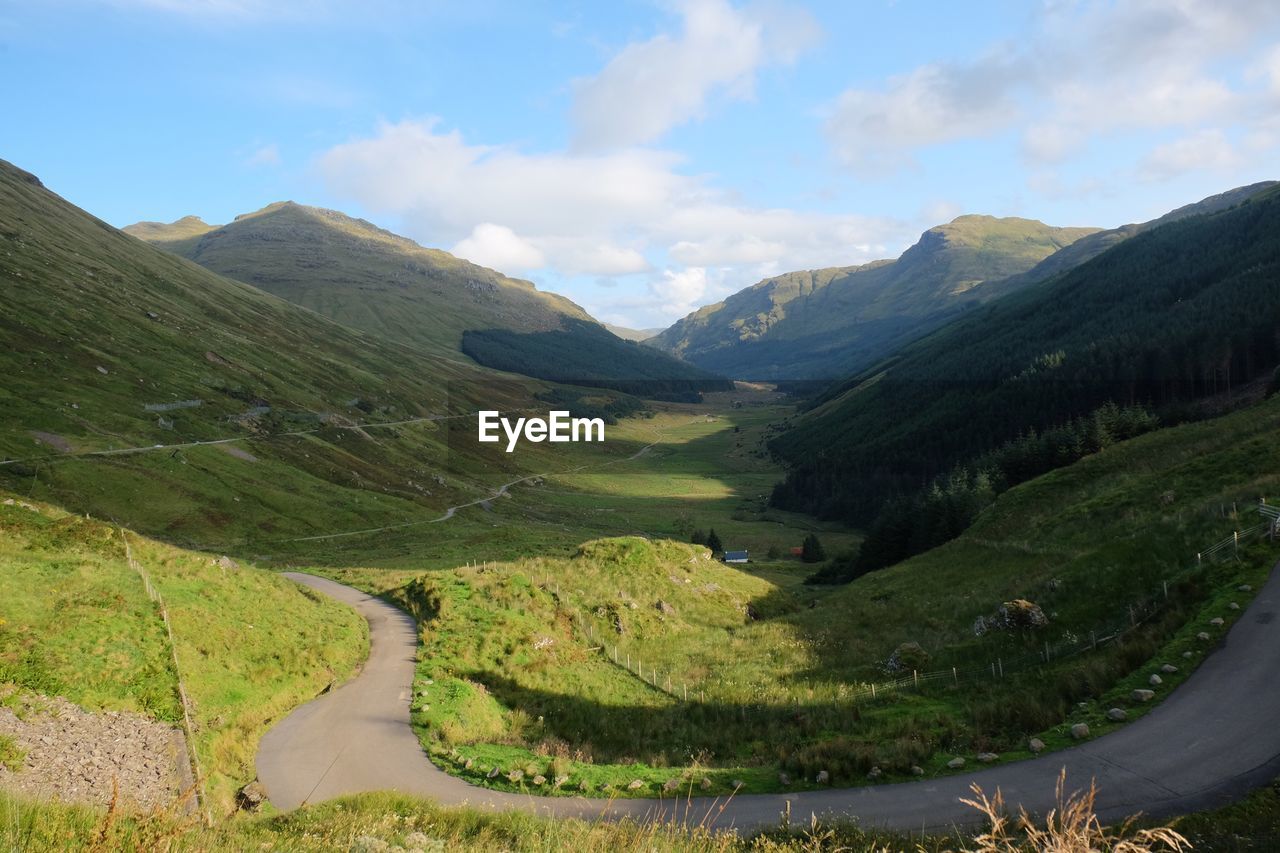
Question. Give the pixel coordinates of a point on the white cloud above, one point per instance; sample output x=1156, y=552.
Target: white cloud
x=680, y=291
x=499, y=247
x=624, y=213
x=1206, y=149
x=1084, y=70
x=265, y=155
x=652, y=86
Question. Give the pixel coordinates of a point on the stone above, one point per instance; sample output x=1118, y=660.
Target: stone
x=515, y=776
x=1168, y=669
x=1203, y=635
x=1036, y=745
x=917, y=770
x=908, y=657
x=559, y=781
x=823, y=777
x=1080, y=731
x=956, y=763
x=1143, y=695
x=705, y=784
x=1117, y=715
x=875, y=773
x=671, y=785
x=539, y=780
x=784, y=779
x=494, y=773
x=635, y=785
x=584, y=785
x=1021, y=613
x=1188, y=655
x=1155, y=680
x=1244, y=587
x=664, y=608
x=1217, y=621
x=988, y=757
x=251, y=797
x=467, y=765
x=1233, y=606
x=737, y=784
x=227, y=564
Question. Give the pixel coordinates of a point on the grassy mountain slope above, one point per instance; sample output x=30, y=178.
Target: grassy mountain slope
x=1180, y=313
x=829, y=322
x=110, y=343
x=370, y=279
x=632, y=334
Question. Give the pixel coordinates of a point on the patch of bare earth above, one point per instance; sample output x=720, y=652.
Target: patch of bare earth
x=79, y=756
x=238, y=453
x=52, y=439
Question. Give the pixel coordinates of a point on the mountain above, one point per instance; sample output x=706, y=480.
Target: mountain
x=831, y=322
x=362, y=276
x=1182, y=316
x=111, y=344
x=636, y=335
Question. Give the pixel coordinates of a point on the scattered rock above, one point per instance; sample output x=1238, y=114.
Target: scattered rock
x=1168, y=669
x=467, y=765
x=917, y=770
x=584, y=785
x=539, y=780
x=784, y=779
x=1244, y=587
x=494, y=773
x=227, y=564
x=875, y=773
x=1233, y=606
x=823, y=777
x=1203, y=635
x=737, y=784
x=103, y=370
x=1155, y=680
x=1217, y=621
x=671, y=785
x=664, y=608
x=635, y=785
x=1036, y=745
x=1188, y=655
x=1080, y=731
x=705, y=784
x=1143, y=695
x=251, y=797
x=559, y=781
x=1021, y=613
x=956, y=763
x=1117, y=715
x=907, y=657
x=988, y=757
x=515, y=776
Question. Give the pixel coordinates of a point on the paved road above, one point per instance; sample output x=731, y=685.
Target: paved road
x=1211, y=741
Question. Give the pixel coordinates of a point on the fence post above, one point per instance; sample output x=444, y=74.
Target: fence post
x=1166, y=589
x=955, y=676
x=1046, y=651
x=1000, y=663
x=915, y=675
x=873, y=690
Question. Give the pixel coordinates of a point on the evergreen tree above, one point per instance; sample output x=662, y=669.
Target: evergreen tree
x=713, y=542
x=812, y=551
x=699, y=537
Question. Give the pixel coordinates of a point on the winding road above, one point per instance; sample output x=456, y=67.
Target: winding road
x=1207, y=744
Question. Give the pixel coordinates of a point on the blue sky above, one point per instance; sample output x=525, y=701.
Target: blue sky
x=644, y=158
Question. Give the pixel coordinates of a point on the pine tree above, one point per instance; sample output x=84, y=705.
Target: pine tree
x=713, y=542
x=812, y=551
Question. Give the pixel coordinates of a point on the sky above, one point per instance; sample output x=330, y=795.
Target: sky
x=644, y=157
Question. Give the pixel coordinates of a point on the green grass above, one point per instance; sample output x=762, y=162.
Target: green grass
x=250, y=645
x=11, y=755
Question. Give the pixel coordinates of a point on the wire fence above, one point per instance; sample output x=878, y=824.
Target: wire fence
x=188, y=731
x=1071, y=644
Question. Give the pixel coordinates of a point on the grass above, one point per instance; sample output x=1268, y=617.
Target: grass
x=11, y=755
x=250, y=644
x=513, y=676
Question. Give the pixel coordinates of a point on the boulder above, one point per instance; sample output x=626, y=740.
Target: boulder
x=1080, y=731
x=956, y=763
x=227, y=564
x=493, y=774
x=1036, y=745
x=1233, y=606
x=664, y=608
x=917, y=770
x=467, y=765
x=1117, y=715
x=705, y=784
x=515, y=776
x=823, y=777
x=1188, y=655
x=988, y=757
x=251, y=797
x=671, y=785
x=875, y=773
x=559, y=781
x=737, y=784
x=1202, y=636
x=784, y=779
x=1217, y=621
x=908, y=657
x=1021, y=613
x=635, y=785
x=1143, y=695
x=1168, y=669
x=539, y=780
x=1244, y=587
x=1155, y=680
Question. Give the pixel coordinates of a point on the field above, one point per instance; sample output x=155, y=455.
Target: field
x=734, y=675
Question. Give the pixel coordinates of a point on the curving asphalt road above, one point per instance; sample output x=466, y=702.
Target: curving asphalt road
x=1207, y=744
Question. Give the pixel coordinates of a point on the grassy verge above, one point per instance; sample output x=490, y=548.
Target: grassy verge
x=250, y=644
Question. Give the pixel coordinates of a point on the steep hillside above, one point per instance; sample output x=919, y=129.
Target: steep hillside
x=1184, y=312
x=632, y=334
x=370, y=279
x=827, y=323
x=111, y=344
